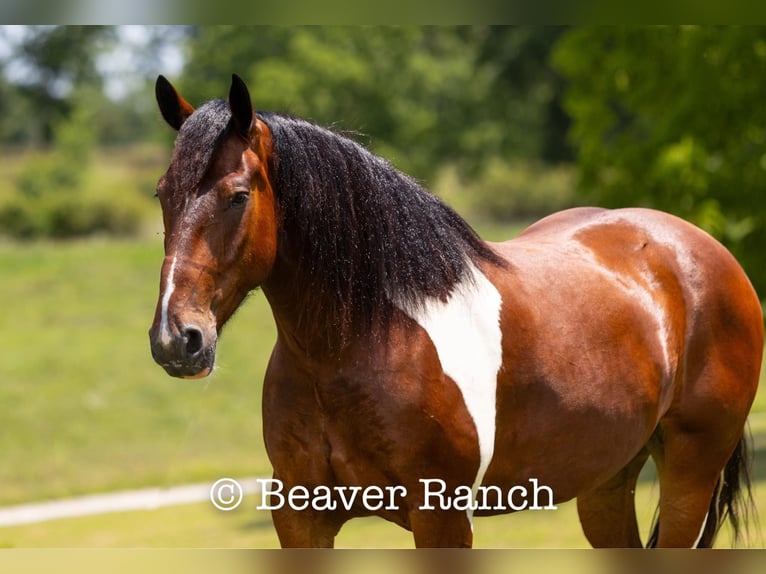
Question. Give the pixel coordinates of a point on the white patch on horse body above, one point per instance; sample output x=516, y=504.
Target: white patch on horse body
x=466, y=333
x=169, y=288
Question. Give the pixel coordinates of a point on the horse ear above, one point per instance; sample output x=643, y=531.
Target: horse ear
x=173, y=107
x=241, y=106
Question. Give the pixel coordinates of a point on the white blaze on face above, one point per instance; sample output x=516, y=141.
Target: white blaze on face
x=169, y=288
x=466, y=333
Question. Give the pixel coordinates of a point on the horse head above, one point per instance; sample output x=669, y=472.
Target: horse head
x=220, y=224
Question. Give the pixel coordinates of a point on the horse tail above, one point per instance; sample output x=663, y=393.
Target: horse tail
x=732, y=500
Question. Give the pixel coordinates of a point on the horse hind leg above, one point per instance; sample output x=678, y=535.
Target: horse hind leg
x=700, y=451
x=700, y=487
x=688, y=476
x=733, y=498
x=608, y=513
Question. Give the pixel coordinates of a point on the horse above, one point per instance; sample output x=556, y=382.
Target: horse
x=426, y=376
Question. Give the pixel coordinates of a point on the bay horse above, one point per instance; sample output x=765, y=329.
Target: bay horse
x=410, y=353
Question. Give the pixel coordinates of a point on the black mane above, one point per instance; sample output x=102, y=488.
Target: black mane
x=361, y=233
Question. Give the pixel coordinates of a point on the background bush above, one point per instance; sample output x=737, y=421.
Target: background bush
x=69, y=215
x=509, y=191
x=55, y=193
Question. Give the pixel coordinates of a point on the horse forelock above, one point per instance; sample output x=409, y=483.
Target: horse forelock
x=196, y=143
x=361, y=234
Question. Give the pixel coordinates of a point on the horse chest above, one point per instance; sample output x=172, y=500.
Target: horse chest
x=465, y=332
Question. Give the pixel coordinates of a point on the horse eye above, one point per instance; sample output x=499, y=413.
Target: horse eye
x=239, y=199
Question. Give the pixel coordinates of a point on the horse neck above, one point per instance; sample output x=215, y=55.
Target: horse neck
x=313, y=340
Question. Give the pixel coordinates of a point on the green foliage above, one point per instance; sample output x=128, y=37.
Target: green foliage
x=673, y=118
x=515, y=191
x=423, y=96
x=62, y=216
x=57, y=60
x=527, y=91
x=62, y=170
x=426, y=98
x=52, y=198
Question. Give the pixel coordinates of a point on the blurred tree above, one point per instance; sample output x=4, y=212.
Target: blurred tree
x=52, y=197
x=11, y=111
x=673, y=118
x=47, y=63
x=423, y=96
x=521, y=55
x=64, y=168
x=470, y=99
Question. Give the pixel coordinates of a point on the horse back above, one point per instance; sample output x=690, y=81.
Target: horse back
x=668, y=266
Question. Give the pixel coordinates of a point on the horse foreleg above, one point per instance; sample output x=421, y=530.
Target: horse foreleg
x=608, y=513
x=441, y=529
x=305, y=528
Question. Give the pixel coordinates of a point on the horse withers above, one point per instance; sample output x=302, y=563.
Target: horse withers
x=426, y=376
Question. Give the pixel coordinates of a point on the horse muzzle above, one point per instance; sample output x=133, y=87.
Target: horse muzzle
x=188, y=352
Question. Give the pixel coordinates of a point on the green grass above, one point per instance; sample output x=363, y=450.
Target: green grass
x=84, y=409
x=83, y=406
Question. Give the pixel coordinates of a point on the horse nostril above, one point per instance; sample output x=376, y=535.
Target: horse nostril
x=193, y=339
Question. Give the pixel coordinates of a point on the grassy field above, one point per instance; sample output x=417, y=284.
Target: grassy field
x=84, y=409
x=82, y=404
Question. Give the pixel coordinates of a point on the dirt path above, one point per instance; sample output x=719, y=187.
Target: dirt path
x=143, y=499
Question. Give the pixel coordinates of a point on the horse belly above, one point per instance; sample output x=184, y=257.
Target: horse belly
x=585, y=379
x=569, y=450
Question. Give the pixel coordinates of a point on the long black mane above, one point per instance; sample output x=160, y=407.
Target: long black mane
x=361, y=233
